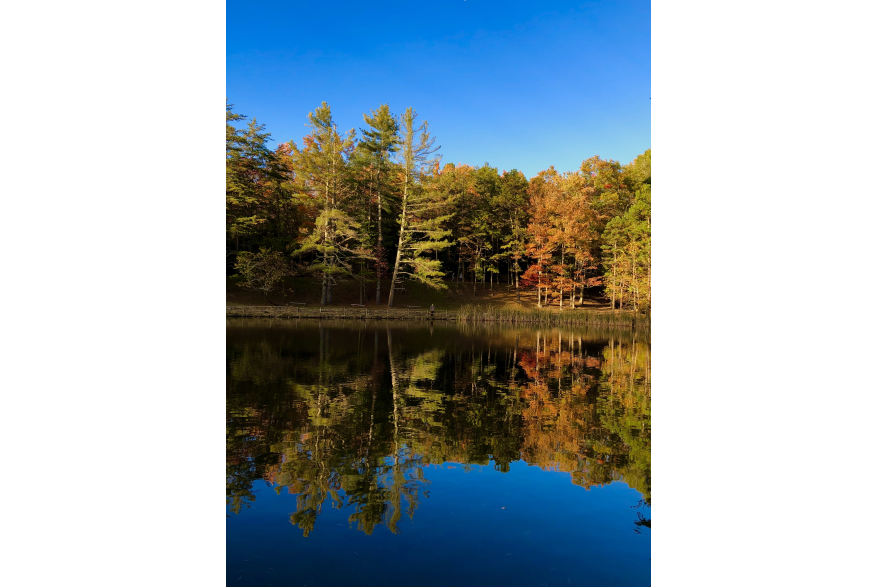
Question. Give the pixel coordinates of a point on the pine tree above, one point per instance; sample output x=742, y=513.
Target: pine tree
x=379, y=143
x=256, y=193
x=324, y=170
x=241, y=177
x=456, y=183
x=421, y=217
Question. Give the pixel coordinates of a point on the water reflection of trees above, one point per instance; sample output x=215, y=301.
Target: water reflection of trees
x=349, y=418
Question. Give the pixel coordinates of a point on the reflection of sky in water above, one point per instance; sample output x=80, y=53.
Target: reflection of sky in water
x=339, y=428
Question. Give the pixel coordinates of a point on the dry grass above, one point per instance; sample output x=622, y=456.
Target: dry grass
x=601, y=317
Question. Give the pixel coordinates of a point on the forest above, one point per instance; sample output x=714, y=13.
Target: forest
x=379, y=209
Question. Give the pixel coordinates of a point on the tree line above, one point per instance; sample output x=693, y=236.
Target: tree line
x=378, y=205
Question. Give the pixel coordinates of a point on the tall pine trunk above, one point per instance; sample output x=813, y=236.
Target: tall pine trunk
x=401, y=237
x=380, y=247
x=325, y=283
x=325, y=293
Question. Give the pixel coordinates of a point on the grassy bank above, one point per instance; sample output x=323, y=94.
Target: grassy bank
x=478, y=313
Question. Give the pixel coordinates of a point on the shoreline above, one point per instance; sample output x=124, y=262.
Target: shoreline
x=466, y=314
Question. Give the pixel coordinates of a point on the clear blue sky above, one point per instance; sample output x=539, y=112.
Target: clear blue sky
x=516, y=84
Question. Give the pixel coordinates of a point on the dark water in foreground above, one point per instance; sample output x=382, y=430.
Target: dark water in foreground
x=403, y=454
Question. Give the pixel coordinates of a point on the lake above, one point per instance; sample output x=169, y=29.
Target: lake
x=383, y=453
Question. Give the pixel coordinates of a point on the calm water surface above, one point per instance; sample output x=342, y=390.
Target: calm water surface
x=394, y=453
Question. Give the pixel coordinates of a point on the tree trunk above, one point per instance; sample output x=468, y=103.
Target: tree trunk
x=633, y=282
x=395, y=273
x=517, y=282
x=401, y=240
x=621, y=294
x=325, y=275
x=380, y=246
x=614, y=262
x=323, y=295
x=517, y=288
x=538, y=297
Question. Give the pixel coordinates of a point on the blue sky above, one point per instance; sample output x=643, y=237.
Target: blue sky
x=516, y=84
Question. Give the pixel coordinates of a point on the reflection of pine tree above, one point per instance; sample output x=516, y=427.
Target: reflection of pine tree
x=315, y=481
x=366, y=496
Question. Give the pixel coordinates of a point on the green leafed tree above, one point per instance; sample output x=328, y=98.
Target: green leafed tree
x=261, y=271
x=511, y=212
x=627, y=247
x=640, y=169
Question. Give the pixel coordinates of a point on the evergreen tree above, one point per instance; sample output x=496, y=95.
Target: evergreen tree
x=262, y=209
x=323, y=165
x=379, y=143
x=487, y=224
x=240, y=199
x=456, y=183
x=421, y=217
